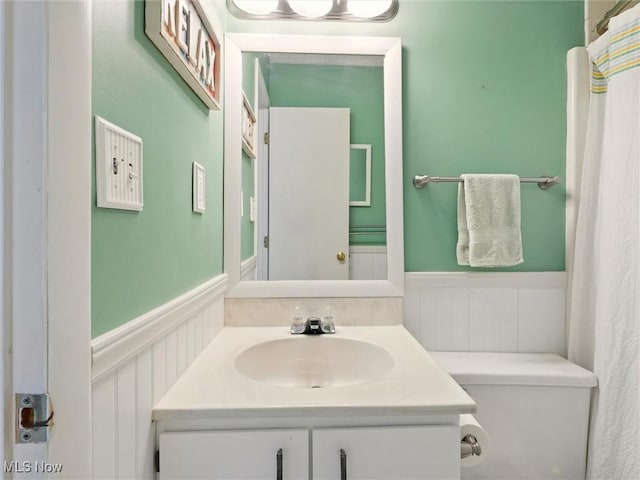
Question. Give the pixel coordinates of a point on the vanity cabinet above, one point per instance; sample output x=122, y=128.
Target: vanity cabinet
x=366, y=453
x=218, y=422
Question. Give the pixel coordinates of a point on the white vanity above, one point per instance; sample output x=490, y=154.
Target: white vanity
x=365, y=403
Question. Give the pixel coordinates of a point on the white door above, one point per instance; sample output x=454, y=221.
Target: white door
x=309, y=194
x=387, y=453
x=46, y=225
x=235, y=455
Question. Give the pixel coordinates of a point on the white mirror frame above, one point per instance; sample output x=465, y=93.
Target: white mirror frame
x=391, y=49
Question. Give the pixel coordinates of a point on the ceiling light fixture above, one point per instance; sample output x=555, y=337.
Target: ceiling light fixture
x=348, y=10
x=311, y=8
x=257, y=7
x=368, y=8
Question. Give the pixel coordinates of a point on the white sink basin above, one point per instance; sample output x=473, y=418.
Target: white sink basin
x=318, y=361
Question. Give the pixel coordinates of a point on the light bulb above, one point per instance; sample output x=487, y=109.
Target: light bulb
x=368, y=8
x=257, y=7
x=311, y=8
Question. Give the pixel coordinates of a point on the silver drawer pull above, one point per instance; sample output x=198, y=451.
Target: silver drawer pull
x=279, y=465
x=343, y=464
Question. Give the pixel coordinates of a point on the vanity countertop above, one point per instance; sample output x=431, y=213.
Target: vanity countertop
x=212, y=387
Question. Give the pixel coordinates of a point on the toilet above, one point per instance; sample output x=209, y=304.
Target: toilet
x=534, y=408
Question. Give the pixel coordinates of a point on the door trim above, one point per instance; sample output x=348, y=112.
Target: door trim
x=69, y=232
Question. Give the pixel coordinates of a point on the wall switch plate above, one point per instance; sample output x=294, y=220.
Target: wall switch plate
x=118, y=167
x=199, y=192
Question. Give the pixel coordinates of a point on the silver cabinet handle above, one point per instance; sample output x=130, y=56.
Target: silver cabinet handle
x=343, y=464
x=279, y=464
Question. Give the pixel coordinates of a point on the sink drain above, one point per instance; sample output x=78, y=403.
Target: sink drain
x=316, y=386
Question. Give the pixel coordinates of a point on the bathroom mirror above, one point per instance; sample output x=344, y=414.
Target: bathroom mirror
x=246, y=54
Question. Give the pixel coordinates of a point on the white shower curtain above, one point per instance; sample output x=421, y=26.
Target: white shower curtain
x=604, y=299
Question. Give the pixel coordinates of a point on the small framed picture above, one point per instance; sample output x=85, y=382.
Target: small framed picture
x=199, y=190
x=360, y=176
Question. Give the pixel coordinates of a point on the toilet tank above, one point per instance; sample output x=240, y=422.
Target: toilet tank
x=535, y=409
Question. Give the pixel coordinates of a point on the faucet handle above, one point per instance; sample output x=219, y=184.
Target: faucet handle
x=328, y=326
x=297, y=321
x=327, y=323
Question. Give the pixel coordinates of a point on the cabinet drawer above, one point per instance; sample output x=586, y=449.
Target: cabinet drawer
x=234, y=455
x=389, y=453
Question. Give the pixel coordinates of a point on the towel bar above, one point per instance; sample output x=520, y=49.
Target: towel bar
x=545, y=182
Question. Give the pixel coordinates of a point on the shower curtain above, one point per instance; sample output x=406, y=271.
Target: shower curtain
x=605, y=288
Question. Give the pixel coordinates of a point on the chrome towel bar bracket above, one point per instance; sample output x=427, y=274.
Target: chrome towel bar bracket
x=545, y=182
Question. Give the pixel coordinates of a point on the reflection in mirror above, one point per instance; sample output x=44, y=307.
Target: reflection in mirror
x=315, y=85
x=360, y=175
x=308, y=192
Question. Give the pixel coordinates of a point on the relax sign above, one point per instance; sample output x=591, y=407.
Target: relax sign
x=182, y=32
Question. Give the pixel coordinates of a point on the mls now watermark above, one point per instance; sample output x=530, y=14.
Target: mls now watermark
x=32, y=467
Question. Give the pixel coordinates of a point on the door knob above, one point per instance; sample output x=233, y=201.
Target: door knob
x=341, y=256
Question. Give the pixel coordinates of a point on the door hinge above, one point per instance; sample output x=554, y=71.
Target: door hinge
x=266, y=138
x=156, y=461
x=34, y=417
x=265, y=242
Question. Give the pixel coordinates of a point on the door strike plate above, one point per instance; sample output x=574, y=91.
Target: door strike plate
x=34, y=417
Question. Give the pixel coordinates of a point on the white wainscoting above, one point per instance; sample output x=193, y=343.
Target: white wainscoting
x=494, y=312
x=368, y=262
x=249, y=268
x=134, y=365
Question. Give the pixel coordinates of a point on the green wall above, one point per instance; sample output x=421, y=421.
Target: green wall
x=141, y=260
x=361, y=90
x=483, y=92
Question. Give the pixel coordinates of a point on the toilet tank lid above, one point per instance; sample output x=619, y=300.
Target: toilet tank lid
x=488, y=368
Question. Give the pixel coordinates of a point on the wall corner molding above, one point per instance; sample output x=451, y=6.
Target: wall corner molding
x=114, y=348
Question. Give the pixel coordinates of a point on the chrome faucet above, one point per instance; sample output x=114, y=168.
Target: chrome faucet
x=313, y=325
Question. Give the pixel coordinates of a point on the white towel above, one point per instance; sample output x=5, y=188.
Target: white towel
x=489, y=221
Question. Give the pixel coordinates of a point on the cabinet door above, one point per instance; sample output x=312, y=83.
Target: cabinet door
x=390, y=453
x=234, y=455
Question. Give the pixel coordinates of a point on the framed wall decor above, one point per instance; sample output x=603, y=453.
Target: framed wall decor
x=183, y=34
x=248, y=128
